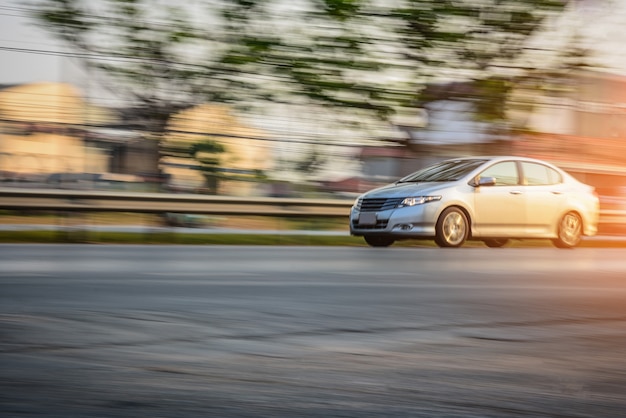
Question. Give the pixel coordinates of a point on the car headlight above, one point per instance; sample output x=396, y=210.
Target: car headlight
x=418, y=200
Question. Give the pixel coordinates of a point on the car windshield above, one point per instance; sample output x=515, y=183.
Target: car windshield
x=450, y=170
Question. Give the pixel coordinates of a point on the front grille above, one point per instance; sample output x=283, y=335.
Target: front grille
x=379, y=204
x=380, y=224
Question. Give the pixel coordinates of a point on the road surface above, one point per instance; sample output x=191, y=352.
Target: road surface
x=253, y=331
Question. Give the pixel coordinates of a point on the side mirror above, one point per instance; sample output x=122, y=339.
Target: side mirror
x=484, y=181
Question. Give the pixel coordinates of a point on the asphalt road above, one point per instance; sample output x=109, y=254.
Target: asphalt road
x=226, y=331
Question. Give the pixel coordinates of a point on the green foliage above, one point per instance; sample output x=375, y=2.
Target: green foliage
x=337, y=53
x=67, y=19
x=206, y=147
x=341, y=9
x=491, y=96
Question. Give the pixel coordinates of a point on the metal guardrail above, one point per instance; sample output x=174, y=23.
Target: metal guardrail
x=106, y=201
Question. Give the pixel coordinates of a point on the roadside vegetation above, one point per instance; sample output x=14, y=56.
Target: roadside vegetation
x=152, y=229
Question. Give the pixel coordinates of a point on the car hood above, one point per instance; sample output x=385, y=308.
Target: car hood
x=407, y=189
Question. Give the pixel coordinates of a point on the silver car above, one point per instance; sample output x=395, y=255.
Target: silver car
x=491, y=199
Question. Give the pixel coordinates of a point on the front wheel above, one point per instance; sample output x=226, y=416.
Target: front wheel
x=452, y=228
x=570, y=231
x=378, y=241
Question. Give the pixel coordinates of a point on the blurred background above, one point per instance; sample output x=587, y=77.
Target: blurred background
x=305, y=98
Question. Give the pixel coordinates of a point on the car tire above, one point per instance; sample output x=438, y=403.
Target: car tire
x=452, y=228
x=378, y=241
x=569, y=231
x=496, y=242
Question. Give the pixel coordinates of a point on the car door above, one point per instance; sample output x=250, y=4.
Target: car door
x=545, y=196
x=500, y=209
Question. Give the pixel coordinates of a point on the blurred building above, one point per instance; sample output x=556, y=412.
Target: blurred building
x=50, y=136
x=446, y=126
x=247, y=151
x=42, y=130
x=577, y=121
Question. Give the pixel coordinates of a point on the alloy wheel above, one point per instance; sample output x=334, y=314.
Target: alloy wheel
x=452, y=228
x=570, y=231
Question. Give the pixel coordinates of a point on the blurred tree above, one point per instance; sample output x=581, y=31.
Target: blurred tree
x=205, y=152
x=477, y=42
x=558, y=81
x=364, y=57
x=311, y=162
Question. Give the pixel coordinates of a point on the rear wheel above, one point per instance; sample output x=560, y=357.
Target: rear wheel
x=378, y=241
x=452, y=228
x=496, y=242
x=570, y=231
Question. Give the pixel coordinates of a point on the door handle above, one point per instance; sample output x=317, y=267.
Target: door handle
x=556, y=192
x=515, y=192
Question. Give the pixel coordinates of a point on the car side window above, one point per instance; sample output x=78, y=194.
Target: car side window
x=539, y=174
x=505, y=173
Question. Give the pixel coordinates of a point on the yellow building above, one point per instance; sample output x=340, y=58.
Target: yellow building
x=45, y=128
x=41, y=127
x=247, y=150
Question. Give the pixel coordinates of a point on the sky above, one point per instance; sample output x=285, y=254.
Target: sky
x=19, y=42
x=28, y=54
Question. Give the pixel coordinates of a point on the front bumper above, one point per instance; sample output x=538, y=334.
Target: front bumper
x=415, y=221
